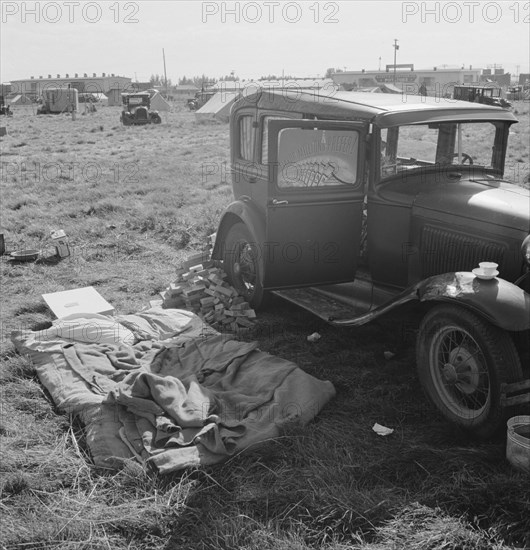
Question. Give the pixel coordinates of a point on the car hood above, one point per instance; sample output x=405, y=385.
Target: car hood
x=482, y=199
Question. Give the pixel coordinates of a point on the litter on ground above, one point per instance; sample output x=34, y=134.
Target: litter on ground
x=381, y=430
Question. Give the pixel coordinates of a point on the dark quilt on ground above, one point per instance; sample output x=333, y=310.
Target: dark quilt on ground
x=162, y=387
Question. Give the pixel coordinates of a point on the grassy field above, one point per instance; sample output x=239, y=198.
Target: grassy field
x=134, y=202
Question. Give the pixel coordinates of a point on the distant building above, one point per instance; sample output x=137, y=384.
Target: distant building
x=184, y=90
x=33, y=87
x=247, y=86
x=496, y=76
x=524, y=78
x=436, y=81
x=298, y=83
x=140, y=86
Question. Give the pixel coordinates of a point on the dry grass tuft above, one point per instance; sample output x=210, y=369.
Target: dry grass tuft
x=419, y=527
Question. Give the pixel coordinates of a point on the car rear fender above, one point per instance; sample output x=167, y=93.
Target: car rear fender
x=502, y=303
x=241, y=210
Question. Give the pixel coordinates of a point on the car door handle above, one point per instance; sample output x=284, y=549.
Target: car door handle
x=252, y=179
x=276, y=202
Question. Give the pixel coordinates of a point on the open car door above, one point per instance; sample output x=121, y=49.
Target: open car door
x=315, y=202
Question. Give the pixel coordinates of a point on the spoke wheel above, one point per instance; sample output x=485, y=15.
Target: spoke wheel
x=462, y=361
x=242, y=263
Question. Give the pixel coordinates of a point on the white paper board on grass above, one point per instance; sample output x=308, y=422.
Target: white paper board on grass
x=78, y=300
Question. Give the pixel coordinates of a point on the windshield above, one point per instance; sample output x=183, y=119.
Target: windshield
x=444, y=144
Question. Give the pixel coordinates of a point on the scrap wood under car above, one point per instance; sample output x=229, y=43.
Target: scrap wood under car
x=164, y=388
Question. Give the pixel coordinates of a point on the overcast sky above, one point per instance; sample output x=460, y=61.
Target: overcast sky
x=256, y=38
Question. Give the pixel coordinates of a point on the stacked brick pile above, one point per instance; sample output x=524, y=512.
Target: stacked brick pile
x=201, y=287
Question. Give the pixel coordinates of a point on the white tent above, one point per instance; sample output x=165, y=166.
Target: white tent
x=21, y=99
x=390, y=89
x=158, y=103
x=372, y=90
x=218, y=107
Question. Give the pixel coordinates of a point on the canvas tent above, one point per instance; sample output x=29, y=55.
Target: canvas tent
x=372, y=90
x=381, y=89
x=218, y=107
x=21, y=99
x=390, y=89
x=158, y=103
x=101, y=98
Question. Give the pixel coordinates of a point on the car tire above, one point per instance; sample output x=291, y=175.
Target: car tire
x=462, y=361
x=156, y=119
x=243, y=264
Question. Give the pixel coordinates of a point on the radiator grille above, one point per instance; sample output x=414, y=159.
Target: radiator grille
x=443, y=251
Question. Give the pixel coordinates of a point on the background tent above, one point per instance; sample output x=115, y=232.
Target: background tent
x=21, y=100
x=372, y=90
x=158, y=103
x=390, y=89
x=218, y=107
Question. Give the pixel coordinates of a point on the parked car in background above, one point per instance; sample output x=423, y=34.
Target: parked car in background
x=200, y=99
x=352, y=204
x=136, y=109
x=87, y=97
x=486, y=95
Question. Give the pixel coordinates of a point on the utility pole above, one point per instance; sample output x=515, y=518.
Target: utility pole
x=165, y=75
x=396, y=48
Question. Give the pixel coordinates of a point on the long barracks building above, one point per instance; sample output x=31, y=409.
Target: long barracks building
x=33, y=87
x=437, y=82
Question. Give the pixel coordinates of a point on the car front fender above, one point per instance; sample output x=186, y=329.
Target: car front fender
x=502, y=303
x=241, y=210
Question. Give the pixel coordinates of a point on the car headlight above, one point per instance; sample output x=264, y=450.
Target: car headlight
x=525, y=250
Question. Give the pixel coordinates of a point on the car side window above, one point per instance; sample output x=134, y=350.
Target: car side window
x=311, y=157
x=247, y=137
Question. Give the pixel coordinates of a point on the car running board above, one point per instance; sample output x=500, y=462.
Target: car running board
x=321, y=303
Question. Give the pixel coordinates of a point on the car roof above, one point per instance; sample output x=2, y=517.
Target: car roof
x=385, y=110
